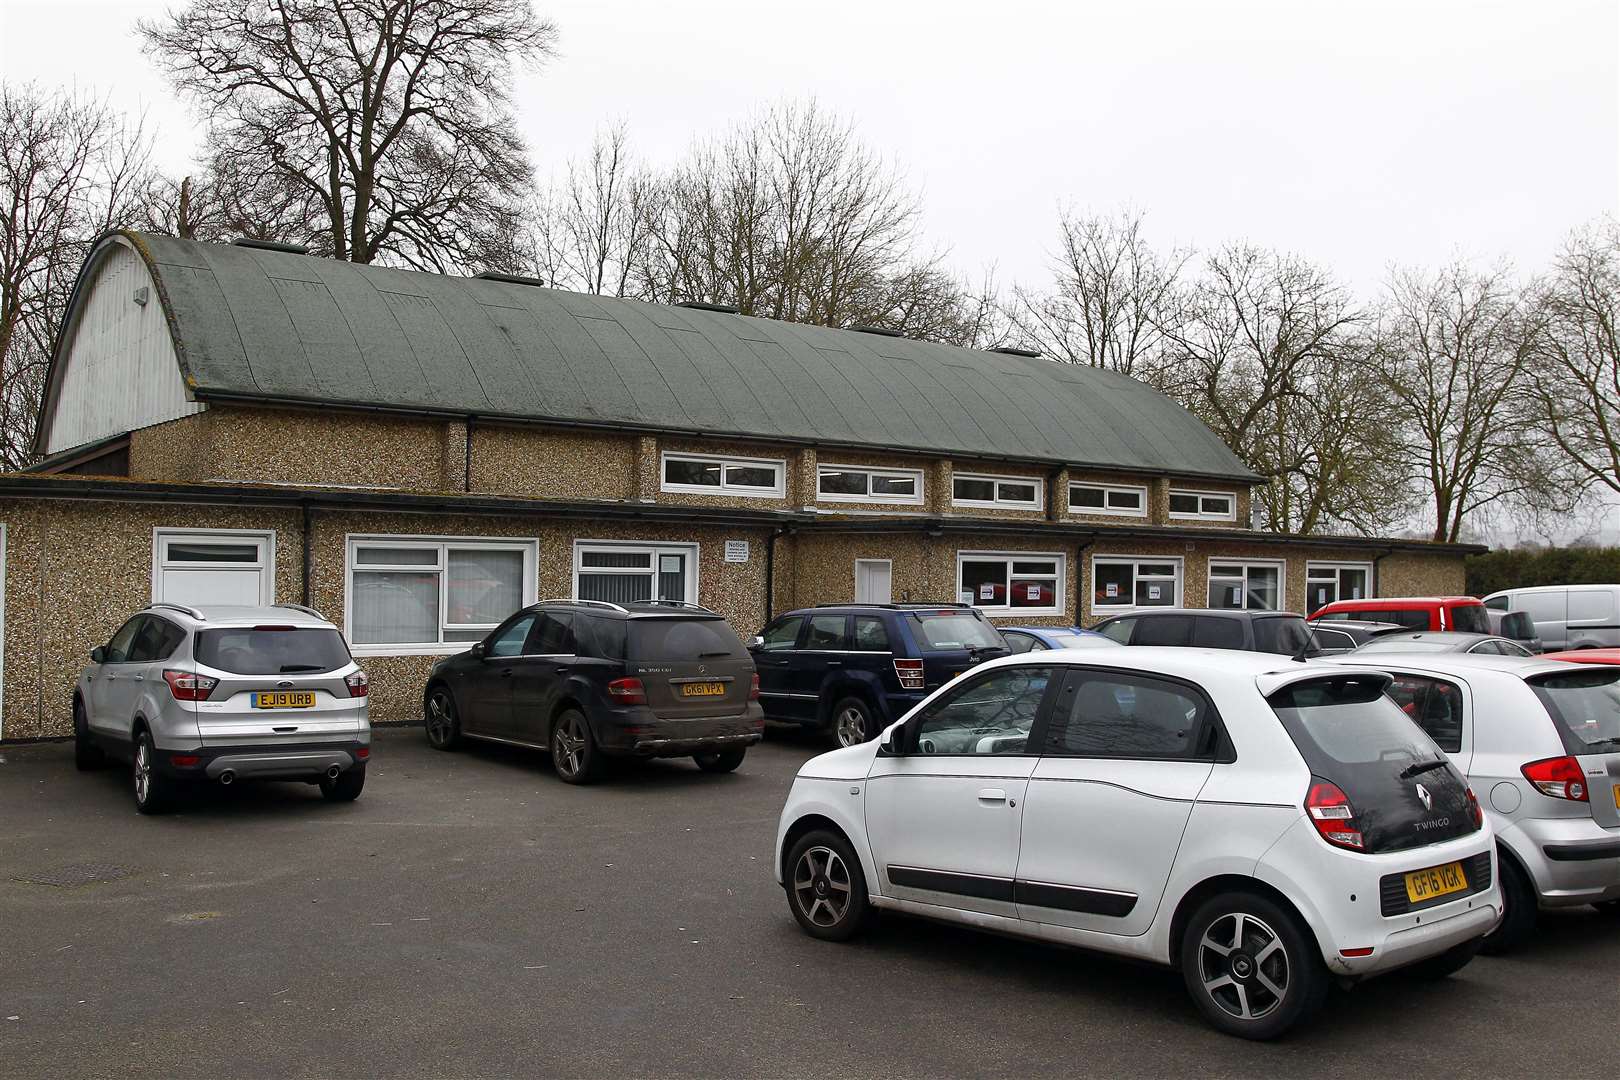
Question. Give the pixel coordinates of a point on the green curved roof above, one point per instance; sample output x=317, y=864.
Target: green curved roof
x=258, y=324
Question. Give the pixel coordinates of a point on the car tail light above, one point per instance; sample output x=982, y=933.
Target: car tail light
x=753, y=687
x=910, y=673
x=1558, y=777
x=1474, y=808
x=184, y=761
x=1330, y=811
x=271, y=627
x=359, y=684
x=627, y=692
x=189, y=686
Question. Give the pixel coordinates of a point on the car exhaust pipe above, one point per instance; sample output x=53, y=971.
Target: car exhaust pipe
x=227, y=777
x=332, y=773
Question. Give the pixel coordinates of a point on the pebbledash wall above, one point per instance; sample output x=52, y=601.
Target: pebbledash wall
x=308, y=409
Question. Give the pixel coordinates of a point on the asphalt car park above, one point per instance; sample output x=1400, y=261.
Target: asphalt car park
x=472, y=915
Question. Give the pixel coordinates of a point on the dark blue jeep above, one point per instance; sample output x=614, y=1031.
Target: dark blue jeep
x=852, y=668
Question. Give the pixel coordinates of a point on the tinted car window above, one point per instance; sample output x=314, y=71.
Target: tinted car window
x=1517, y=624
x=119, y=647
x=683, y=639
x=553, y=634
x=1337, y=640
x=826, y=632
x=1217, y=633
x=1119, y=630
x=509, y=639
x=1282, y=635
x=1435, y=705
x=1416, y=620
x=248, y=650
x=155, y=640
x=990, y=715
x=1019, y=643
x=782, y=634
x=871, y=635
x=1470, y=619
x=1586, y=708
x=1163, y=630
x=957, y=631
x=1127, y=716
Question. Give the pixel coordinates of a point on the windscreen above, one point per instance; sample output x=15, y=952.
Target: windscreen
x=1404, y=791
x=1586, y=707
x=248, y=650
x=957, y=631
x=684, y=639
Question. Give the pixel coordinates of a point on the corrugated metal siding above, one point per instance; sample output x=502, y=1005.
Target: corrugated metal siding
x=119, y=371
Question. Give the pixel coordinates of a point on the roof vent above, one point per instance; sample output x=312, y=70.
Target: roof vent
x=512, y=279
x=1013, y=351
x=881, y=331
x=724, y=309
x=270, y=245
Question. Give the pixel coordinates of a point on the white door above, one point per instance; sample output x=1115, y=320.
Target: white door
x=214, y=567
x=872, y=581
x=943, y=814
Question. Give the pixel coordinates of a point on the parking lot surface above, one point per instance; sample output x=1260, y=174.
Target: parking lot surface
x=471, y=915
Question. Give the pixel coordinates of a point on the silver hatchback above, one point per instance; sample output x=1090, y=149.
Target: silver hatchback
x=199, y=694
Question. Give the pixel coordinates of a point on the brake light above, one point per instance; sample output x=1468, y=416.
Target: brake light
x=1329, y=810
x=627, y=692
x=753, y=687
x=358, y=682
x=189, y=686
x=910, y=673
x=1474, y=808
x=275, y=628
x=1559, y=778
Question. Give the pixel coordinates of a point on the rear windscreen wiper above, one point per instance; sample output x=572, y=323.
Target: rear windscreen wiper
x=288, y=669
x=1422, y=767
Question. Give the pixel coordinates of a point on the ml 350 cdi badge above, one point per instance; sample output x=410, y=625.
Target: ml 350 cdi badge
x=1265, y=825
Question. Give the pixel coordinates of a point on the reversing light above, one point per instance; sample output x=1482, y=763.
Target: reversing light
x=910, y=673
x=1558, y=778
x=1329, y=810
x=753, y=687
x=358, y=682
x=189, y=686
x=627, y=692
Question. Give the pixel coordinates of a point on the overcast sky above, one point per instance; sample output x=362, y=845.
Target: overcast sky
x=1355, y=134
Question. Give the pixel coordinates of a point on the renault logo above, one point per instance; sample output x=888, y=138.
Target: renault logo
x=1424, y=797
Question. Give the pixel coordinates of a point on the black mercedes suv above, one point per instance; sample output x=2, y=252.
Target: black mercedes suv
x=587, y=680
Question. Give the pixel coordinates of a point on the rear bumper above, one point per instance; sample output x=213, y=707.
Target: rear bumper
x=290, y=762
x=1572, y=860
x=636, y=732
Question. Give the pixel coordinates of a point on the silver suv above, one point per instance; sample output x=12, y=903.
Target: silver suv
x=187, y=694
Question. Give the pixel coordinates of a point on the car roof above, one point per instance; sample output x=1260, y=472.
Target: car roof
x=1460, y=638
x=631, y=609
x=1550, y=588
x=1206, y=612
x=1189, y=663
x=1397, y=603
x=1448, y=663
x=1071, y=630
x=1585, y=656
x=203, y=616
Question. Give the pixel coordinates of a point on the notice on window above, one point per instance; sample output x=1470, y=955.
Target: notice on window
x=1111, y=590
x=1355, y=593
x=1032, y=593
x=987, y=592
x=965, y=596
x=1153, y=592
x=736, y=551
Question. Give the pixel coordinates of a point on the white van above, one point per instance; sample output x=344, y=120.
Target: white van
x=1567, y=616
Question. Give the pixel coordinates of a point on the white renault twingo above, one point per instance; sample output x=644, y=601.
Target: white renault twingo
x=1263, y=824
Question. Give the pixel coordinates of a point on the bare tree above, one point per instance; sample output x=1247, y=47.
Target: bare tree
x=1453, y=348
x=391, y=117
x=70, y=168
x=592, y=231
x=1575, y=372
x=1111, y=295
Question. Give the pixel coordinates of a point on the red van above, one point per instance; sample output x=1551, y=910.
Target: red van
x=1464, y=613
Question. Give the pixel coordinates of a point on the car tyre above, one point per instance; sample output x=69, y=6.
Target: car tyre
x=154, y=793
x=720, y=761
x=1608, y=907
x=1252, y=966
x=1518, y=909
x=347, y=786
x=574, y=753
x=852, y=722
x=826, y=887
x=1448, y=963
x=441, y=720
x=87, y=756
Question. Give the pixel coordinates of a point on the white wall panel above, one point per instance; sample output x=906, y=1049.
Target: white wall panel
x=119, y=371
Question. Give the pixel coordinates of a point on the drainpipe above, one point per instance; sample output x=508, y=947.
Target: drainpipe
x=770, y=573
x=308, y=550
x=1376, y=585
x=466, y=482
x=1080, y=578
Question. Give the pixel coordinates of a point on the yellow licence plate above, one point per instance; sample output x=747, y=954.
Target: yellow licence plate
x=1436, y=881
x=1617, y=796
x=285, y=699
x=703, y=689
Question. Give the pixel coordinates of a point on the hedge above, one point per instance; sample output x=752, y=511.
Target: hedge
x=1517, y=568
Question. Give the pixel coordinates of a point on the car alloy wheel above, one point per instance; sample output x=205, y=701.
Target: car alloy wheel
x=573, y=754
x=850, y=723
x=821, y=886
x=1243, y=966
x=441, y=719
x=143, y=771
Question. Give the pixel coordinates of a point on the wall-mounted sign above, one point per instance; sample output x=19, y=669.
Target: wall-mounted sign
x=736, y=551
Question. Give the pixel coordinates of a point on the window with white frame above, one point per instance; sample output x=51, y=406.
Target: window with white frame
x=627, y=573
x=1123, y=500
x=430, y=594
x=1245, y=586
x=1119, y=582
x=703, y=474
x=217, y=566
x=1021, y=582
x=853, y=483
x=1206, y=505
x=1326, y=582
x=1009, y=492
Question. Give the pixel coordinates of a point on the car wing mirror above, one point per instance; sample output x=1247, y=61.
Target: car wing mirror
x=477, y=651
x=98, y=654
x=756, y=642
x=889, y=742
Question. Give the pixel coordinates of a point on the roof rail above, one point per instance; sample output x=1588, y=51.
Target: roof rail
x=1013, y=350
x=676, y=603
x=307, y=610
x=701, y=305
x=511, y=279
x=186, y=608
x=881, y=331
x=587, y=603
x=900, y=607
x=270, y=245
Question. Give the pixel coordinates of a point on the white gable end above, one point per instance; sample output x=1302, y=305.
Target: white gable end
x=118, y=368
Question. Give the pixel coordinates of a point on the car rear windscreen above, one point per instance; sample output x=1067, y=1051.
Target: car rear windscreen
x=250, y=650
x=684, y=639
x=1350, y=733
x=1586, y=707
x=957, y=631
x=1282, y=635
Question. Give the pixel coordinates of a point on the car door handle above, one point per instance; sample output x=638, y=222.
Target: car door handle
x=992, y=794
x=835, y=663
x=138, y=678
